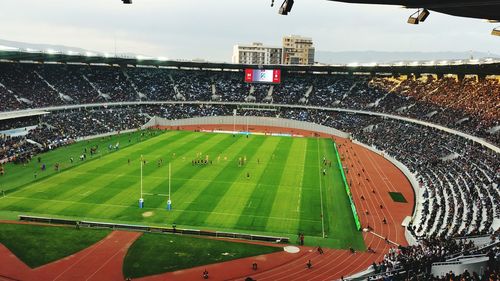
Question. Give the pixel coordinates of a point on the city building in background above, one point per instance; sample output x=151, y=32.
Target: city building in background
x=257, y=53
x=298, y=50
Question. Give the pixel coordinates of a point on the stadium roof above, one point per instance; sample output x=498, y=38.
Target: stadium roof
x=20, y=114
x=484, y=67
x=481, y=9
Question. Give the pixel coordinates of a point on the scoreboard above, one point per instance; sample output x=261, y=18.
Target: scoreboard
x=263, y=76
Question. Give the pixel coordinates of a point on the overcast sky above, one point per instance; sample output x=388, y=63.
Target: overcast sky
x=188, y=29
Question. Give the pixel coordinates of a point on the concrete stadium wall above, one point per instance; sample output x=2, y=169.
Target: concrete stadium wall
x=105, y=135
x=476, y=264
x=251, y=120
x=149, y=124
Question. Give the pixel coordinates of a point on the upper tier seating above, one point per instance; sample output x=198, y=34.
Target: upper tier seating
x=468, y=105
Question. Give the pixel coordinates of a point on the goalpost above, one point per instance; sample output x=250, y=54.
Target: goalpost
x=141, y=200
x=169, y=202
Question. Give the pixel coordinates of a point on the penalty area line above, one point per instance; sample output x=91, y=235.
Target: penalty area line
x=155, y=194
x=321, y=193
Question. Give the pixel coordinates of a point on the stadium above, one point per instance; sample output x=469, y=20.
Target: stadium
x=137, y=168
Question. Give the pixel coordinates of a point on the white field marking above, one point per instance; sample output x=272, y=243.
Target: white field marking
x=110, y=157
x=249, y=204
x=269, y=164
x=155, y=194
x=83, y=257
x=149, y=208
x=245, y=182
x=84, y=194
x=383, y=238
x=123, y=248
x=366, y=186
x=300, y=187
x=381, y=174
x=298, y=202
x=321, y=193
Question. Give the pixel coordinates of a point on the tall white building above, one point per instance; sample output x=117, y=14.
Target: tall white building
x=298, y=50
x=257, y=53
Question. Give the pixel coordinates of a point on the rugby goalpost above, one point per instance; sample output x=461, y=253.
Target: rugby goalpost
x=141, y=199
x=169, y=201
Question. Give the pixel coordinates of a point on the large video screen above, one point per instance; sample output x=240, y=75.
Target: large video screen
x=262, y=75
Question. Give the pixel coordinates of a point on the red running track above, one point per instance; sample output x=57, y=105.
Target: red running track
x=101, y=261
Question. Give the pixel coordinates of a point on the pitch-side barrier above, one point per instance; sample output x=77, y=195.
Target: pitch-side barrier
x=154, y=229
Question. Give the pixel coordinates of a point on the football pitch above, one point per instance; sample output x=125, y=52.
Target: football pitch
x=279, y=189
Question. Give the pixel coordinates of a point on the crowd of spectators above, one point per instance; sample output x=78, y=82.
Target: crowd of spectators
x=17, y=123
x=64, y=127
x=459, y=179
x=423, y=255
x=16, y=149
x=469, y=104
x=415, y=262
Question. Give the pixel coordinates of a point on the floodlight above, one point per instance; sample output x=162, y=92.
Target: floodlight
x=496, y=31
x=286, y=7
x=423, y=15
x=413, y=19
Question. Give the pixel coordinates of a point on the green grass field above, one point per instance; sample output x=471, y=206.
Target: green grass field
x=284, y=195
x=155, y=253
x=38, y=245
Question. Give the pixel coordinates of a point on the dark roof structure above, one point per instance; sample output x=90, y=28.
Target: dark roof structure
x=481, y=68
x=481, y=9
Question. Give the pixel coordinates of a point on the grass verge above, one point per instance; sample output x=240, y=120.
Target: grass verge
x=156, y=253
x=38, y=245
x=398, y=197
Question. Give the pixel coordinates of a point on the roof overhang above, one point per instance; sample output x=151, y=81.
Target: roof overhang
x=486, y=67
x=481, y=9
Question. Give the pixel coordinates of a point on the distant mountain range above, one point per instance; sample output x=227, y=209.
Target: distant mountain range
x=390, y=57
x=324, y=57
